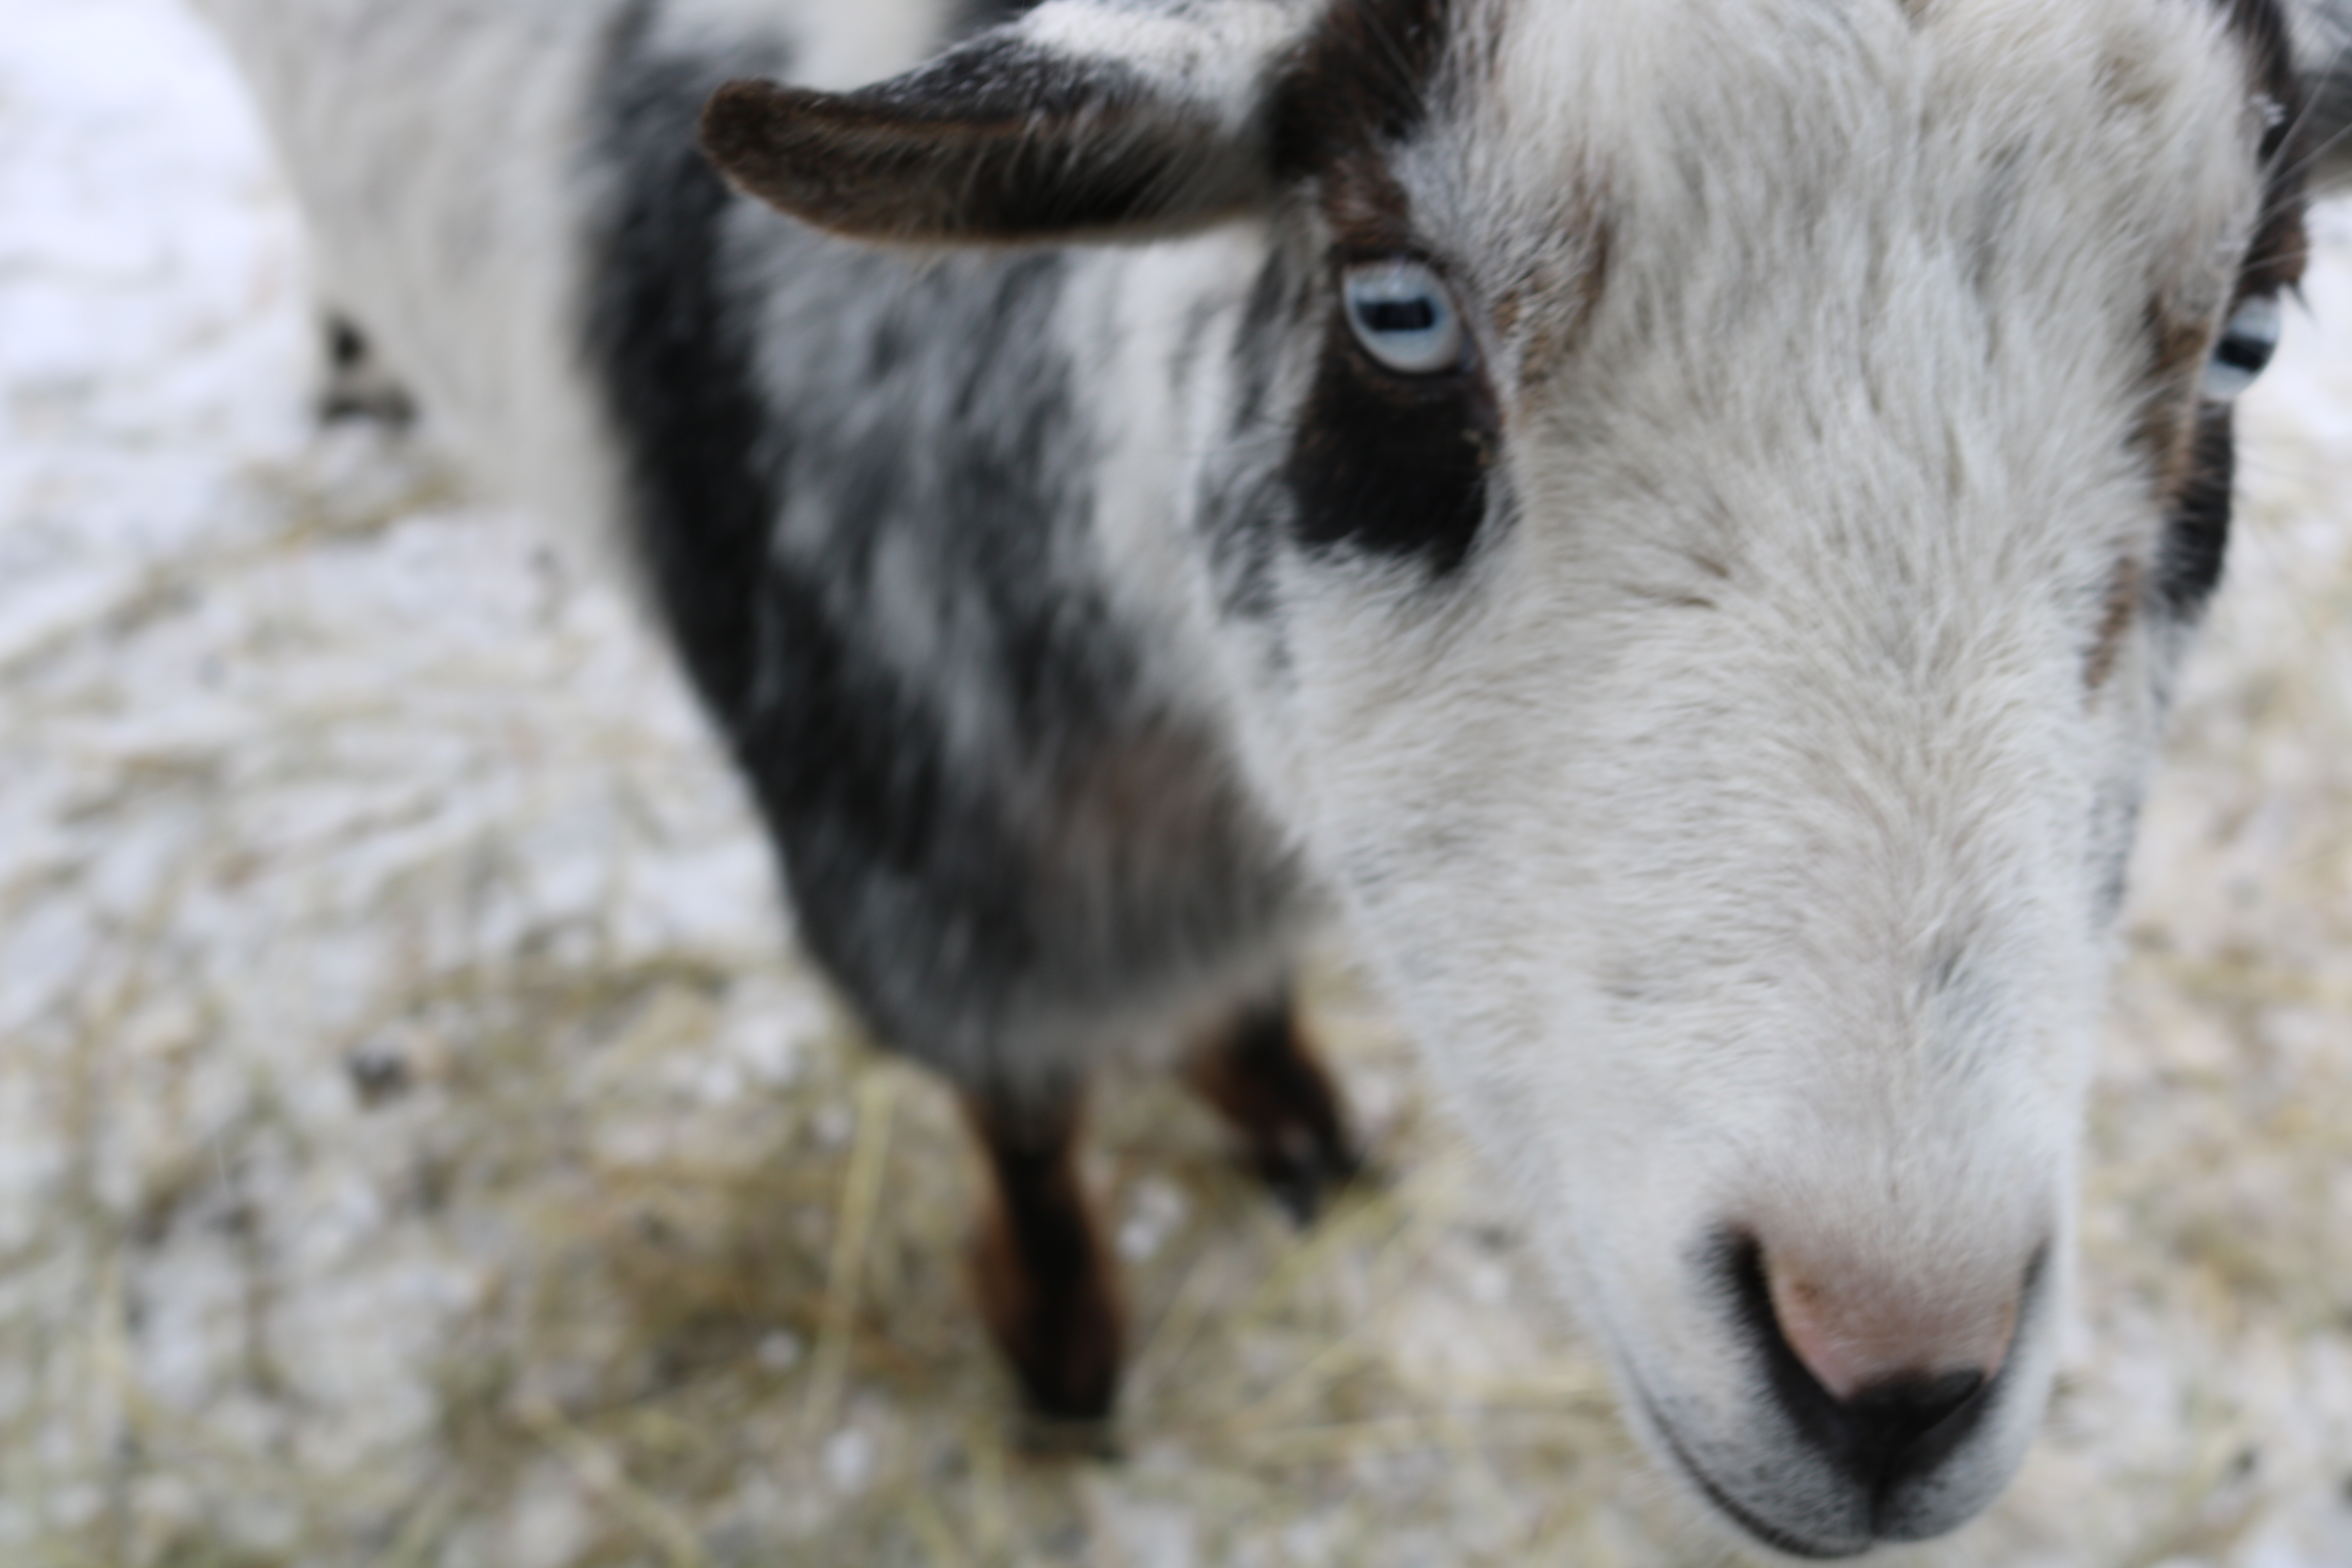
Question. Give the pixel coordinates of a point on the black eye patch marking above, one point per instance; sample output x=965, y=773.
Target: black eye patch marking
x=2188, y=567
x=1387, y=459
x=1391, y=464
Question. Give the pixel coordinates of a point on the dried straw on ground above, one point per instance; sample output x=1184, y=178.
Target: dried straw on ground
x=418, y=1146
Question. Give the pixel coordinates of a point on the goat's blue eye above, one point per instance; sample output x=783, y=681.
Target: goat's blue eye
x=1404, y=316
x=2248, y=340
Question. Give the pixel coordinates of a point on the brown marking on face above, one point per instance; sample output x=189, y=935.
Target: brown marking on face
x=2178, y=346
x=1550, y=304
x=1366, y=83
x=2123, y=594
x=1357, y=89
x=1360, y=85
x=1368, y=211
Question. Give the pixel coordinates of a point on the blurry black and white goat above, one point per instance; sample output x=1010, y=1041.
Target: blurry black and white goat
x=1677, y=519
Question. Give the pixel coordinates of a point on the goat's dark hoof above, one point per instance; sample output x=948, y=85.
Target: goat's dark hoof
x=1282, y=1108
x=1304, y=1172
x=1051, y=1305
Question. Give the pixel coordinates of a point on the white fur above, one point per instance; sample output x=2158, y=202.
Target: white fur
x=397, y=209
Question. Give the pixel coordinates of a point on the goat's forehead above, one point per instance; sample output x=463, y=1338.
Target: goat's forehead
x=2123, y=128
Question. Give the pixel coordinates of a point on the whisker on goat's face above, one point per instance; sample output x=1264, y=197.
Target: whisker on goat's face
x=1680, y=517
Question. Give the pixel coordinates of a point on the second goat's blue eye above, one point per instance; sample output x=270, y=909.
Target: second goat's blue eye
x=1404, y=316
x=2247, y=341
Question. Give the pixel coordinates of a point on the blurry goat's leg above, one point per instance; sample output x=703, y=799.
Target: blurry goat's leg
x=1047, y=1290
x=1264, y=1078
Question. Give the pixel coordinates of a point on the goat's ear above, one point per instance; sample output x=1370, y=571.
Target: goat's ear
x=1083, y=120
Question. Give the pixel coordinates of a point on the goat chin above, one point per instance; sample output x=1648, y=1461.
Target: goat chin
x=1676, y=518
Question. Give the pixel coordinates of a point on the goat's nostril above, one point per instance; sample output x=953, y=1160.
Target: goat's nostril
x=1890, y=1418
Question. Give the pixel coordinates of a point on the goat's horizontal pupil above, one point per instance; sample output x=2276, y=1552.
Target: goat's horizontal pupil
x=1398, y=315
x=2249, y=355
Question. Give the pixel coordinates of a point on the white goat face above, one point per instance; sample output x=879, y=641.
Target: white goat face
x=1737, y=793
x=1708, y=495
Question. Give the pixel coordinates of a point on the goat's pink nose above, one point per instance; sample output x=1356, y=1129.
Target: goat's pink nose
x=1855, y=1333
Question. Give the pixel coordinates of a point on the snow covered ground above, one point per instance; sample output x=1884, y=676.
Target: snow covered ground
x=418, y=1145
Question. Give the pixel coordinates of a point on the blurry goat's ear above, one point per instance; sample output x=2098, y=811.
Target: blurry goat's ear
x=1083, y=120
